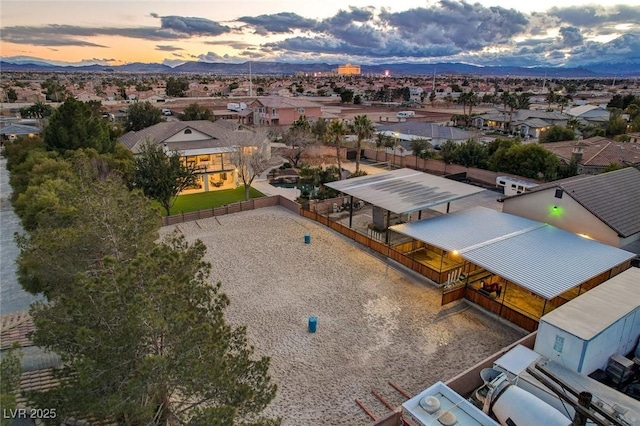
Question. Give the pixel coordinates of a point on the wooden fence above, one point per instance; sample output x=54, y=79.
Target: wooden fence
x=256, y=203
x=448, y=296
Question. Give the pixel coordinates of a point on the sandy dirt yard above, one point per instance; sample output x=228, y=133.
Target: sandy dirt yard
x=376, y=323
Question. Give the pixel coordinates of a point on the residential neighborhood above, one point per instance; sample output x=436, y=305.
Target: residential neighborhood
x=378, y=239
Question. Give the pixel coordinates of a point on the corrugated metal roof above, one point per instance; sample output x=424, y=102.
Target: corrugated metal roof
x=547, y=260
x=539, y=257
x=404, y=190
x=612, y=300
x=451, y=231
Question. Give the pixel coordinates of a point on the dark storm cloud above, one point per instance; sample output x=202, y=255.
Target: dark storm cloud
x=283, y=22
x=467, y=26
x=391, y=48
x=70, y=35
x=165, y=48
x=193, y=26
x=571, y=36
x=591, y=16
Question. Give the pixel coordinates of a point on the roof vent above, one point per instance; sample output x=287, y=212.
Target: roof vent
x=430, y=404
x=448, y=418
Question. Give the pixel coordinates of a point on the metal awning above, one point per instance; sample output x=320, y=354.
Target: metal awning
x=404, y=190
x=537, y=256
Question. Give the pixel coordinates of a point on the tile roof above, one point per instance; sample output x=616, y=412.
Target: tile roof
x=598, y=151
x=613, y=197
x=162, y=131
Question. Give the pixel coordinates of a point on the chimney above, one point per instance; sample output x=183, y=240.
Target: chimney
x=576, y=152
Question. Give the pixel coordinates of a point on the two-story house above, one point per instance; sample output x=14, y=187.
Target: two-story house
x=209, y=146
x=281, y=111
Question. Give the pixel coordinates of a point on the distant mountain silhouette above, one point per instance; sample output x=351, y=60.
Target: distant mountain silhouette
x=628, y=68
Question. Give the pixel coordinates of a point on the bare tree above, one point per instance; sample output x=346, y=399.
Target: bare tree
x=251, y=154
x=297, y=139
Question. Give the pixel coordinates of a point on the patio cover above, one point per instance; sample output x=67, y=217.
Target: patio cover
x=404, y=190
x=537, y=256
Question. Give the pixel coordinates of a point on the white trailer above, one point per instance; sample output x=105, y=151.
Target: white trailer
x=405, y=114
x=513, y=186
x=585, y=332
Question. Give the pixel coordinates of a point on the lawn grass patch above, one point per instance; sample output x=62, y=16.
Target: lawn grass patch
x=207, y=200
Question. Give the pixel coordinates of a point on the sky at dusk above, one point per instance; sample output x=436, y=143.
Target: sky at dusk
x=486, y=32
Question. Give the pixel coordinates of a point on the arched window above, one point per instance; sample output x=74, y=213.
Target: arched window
x=187, y=131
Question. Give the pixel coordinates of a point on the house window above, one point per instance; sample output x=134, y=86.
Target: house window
x=187, y=131
x=301, y=111
x=558, y=193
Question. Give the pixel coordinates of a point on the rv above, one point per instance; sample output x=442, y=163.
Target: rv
x=234, y=106
x=405, y=114
x=512, y=186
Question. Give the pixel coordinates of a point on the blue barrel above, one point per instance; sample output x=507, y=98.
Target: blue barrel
x=313, y=324
x=307, y=239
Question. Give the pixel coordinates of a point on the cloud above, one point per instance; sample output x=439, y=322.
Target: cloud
x=571, y=36
x=279, y=23
x=588, y=16
x=166, y=48
x=238, y=45
x=193, y=26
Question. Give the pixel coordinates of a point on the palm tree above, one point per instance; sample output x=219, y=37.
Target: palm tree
x=563, y=101
x=505, y=98
x=380, y=141
x=335, y=134
x=472, y=100
x=362, y=127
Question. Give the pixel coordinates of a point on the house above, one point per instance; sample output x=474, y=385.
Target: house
x=209, y=146
x=604, y=207
x=11, y=131
x=590, y=114
x=436, y=134
x=594, y=154
x=527, y=123
x=281, y=111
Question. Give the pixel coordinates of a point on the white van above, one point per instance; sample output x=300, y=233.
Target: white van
x=166, y=111
x=405, y=114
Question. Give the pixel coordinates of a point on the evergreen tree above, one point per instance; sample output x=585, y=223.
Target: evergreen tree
x=74, y=125
x=146, y=343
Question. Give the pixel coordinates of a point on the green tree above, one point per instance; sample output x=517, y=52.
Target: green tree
x=37, y=110
x=84, y=221
x=530, y=160
x=176, y=87
x=335, y=137
x=73, y=125
x=142, y=115
x=617, y=125
x=556, y=133
x=362, y=127
x=10, y=371
x=471, y=154
x=496, y=150
x=17, y=151
x=12, y=96
x=161, y=175
x=146, y=343
x=421, y=148
x=196, y=111
x=346, y=96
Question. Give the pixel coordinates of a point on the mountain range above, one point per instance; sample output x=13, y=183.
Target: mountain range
x=627, y=69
